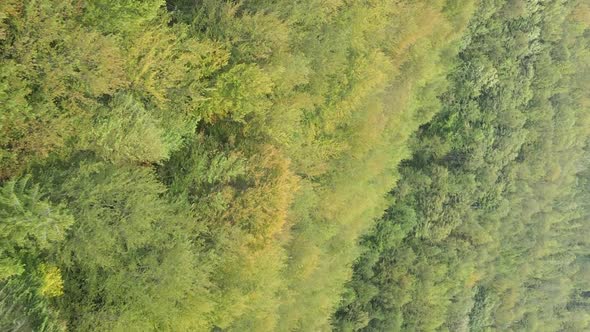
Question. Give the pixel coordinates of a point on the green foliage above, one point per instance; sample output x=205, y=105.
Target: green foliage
x=120, y=16
x=238, y=93
x=126, y=132
x=53, y=72
x=23, y=308
x=29, y=224
x=128, y=261
x=478, y=235
x=31, y=228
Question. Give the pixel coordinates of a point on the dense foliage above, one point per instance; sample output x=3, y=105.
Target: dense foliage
x=486, y=230
x=210, y=165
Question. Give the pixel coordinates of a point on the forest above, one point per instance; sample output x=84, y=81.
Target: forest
x=280, y=165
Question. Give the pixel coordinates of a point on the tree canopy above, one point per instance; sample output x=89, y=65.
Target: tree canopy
x=259, y=165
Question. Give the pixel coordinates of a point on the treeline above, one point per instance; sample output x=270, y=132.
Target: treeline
x=203, y=165
x=488, y=226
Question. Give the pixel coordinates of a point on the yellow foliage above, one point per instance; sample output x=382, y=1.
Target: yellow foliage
x=473, y=279
x=170, y=67
x=582, y=13
x=53, y=284
x=262, y=208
